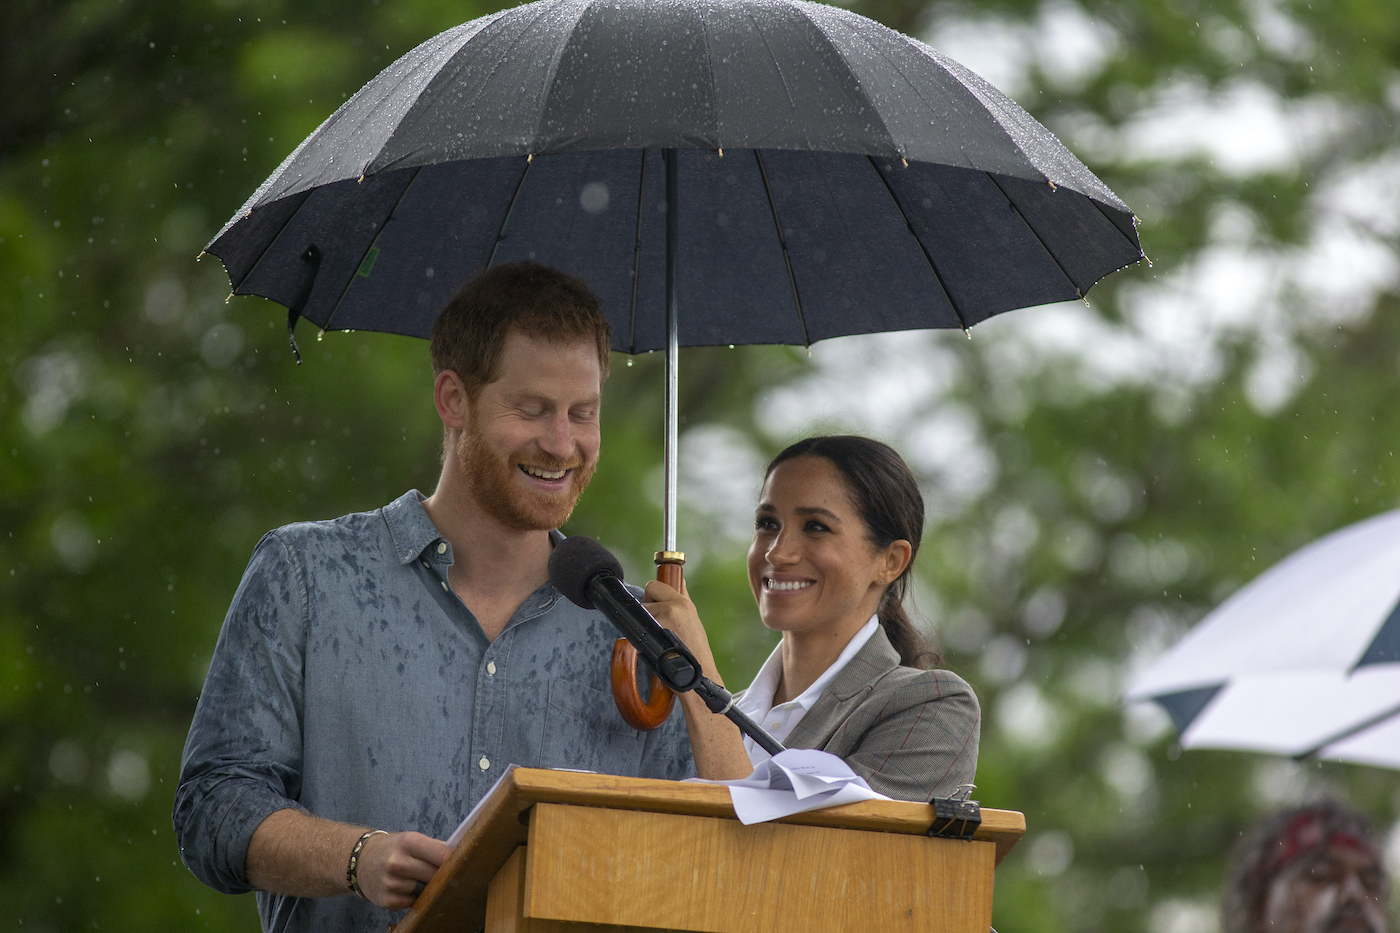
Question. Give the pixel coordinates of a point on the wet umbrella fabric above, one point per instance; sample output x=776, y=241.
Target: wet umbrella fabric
x=1304, y=660
x=833, y=177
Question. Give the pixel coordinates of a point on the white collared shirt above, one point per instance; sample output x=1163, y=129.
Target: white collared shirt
x=780, y=720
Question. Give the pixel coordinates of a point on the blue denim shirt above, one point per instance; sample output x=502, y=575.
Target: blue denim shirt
x=350, y=681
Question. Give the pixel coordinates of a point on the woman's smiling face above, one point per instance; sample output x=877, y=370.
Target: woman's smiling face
x=812, y=566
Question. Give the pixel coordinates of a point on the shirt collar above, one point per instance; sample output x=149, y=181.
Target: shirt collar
x=412, y=530
x=759, y=694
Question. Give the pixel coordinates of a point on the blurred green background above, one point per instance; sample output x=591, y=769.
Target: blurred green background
x=1099, y=476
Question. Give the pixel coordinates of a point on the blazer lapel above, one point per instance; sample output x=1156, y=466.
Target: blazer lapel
x=847, y=690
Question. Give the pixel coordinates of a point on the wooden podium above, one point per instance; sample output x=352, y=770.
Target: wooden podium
x=569, y=852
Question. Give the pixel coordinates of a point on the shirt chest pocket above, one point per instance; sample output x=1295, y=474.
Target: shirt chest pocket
x=583, y=729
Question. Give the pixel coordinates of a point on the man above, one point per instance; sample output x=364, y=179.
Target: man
x=377, y=673
x=1309, y=869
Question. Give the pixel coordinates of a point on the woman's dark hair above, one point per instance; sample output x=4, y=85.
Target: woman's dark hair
x=886, y=495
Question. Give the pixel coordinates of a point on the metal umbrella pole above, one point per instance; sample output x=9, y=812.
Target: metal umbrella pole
x=652, y=712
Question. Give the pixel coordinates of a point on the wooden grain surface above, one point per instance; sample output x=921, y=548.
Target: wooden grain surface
x=457, y=894
x=714, y=875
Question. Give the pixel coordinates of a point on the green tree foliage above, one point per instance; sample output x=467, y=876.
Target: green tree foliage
x=1097, y=479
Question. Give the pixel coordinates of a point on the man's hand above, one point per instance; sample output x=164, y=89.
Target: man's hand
x=391, y=866
x=302, y=855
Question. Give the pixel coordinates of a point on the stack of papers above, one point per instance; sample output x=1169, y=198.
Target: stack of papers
x=794, y=781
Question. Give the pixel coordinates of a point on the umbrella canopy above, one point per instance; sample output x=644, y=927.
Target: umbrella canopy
x=832, y=177
x=1304, y=660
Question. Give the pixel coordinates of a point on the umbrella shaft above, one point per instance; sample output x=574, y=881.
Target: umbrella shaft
x=672, y=354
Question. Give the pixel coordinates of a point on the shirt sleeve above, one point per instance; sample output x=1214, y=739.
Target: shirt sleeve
x=242, y=760
x=922, y=741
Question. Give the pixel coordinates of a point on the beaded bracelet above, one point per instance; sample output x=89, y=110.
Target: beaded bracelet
x=352, y=878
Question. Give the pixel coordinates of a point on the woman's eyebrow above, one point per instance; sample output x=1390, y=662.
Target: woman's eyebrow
x=817, y=510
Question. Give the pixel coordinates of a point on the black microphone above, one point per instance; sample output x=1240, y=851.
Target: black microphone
x=591, y=577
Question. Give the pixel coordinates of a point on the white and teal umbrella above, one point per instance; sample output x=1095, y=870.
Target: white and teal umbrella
x=1303, y=661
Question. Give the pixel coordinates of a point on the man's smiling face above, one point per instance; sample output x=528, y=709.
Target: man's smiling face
x=531, y=440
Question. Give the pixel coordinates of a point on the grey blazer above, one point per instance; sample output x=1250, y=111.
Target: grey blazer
x=911, y=734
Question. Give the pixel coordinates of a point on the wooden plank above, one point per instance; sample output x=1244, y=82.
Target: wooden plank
x=714, y=875
x=506, y=900
x=458, y=892
x=1003, y=827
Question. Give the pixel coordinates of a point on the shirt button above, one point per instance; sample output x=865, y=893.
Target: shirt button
x=774, y=725
x=483, y=764
x=491, y=668
x=425, y=563
x=444, y=584
x=442, y=547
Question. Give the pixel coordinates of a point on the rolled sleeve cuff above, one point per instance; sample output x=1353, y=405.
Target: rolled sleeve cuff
x=215, y=824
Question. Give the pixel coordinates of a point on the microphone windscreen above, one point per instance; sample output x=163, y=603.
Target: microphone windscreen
x=576, y=560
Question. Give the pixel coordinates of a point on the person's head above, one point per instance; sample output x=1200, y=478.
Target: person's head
x=520, y=355
x=837, y=528
x=1309, y=869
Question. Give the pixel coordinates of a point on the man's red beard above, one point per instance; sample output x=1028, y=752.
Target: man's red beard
x=492, y=481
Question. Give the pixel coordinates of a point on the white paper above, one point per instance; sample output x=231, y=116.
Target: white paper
x=795, y=781
x=461, y=829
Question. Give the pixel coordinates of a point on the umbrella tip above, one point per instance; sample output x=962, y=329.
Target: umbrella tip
x=721, y=152
x=1053, y=186
x=905, y=161
x=1148, y=258
x=200, y=256
x=529, y=157
x=968, y=333
x=229, y=298
x=358, y=181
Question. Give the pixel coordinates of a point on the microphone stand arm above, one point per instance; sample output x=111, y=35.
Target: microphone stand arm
x=671, y=660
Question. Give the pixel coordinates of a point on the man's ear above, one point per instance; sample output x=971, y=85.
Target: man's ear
x=450, y=396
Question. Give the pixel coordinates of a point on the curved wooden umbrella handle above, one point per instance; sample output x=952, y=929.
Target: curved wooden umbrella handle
x=644, y=715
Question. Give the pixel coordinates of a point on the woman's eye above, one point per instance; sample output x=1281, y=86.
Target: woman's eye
x=764, y=524
x=817, y=527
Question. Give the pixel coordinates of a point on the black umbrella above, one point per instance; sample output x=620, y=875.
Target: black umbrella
x=829, y=176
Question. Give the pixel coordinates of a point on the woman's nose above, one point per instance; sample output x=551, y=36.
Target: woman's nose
x=782, y=550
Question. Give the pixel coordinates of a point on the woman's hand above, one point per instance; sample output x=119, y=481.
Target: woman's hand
x=676, y=612
x=715, y=741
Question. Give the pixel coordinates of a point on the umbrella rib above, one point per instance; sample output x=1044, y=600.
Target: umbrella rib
x=1035, y=233
x=501, y=234
x=933, y=267
x=382, y=227
x=272, y=242
x=782, y=241
x=1348, y=733
x=637, y=257
x=1104, y=211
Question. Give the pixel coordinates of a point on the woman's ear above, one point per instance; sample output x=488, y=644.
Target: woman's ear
x=897, y=557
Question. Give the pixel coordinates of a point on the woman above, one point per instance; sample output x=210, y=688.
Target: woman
x=836, y=530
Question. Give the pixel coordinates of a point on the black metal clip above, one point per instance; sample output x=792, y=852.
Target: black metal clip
x=954, y=818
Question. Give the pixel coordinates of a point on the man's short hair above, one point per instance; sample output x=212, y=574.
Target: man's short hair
x=535, y=299
x=1275, y=844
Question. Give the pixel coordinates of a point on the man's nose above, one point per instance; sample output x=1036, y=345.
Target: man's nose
x=557, y=439
x=1353, y=888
